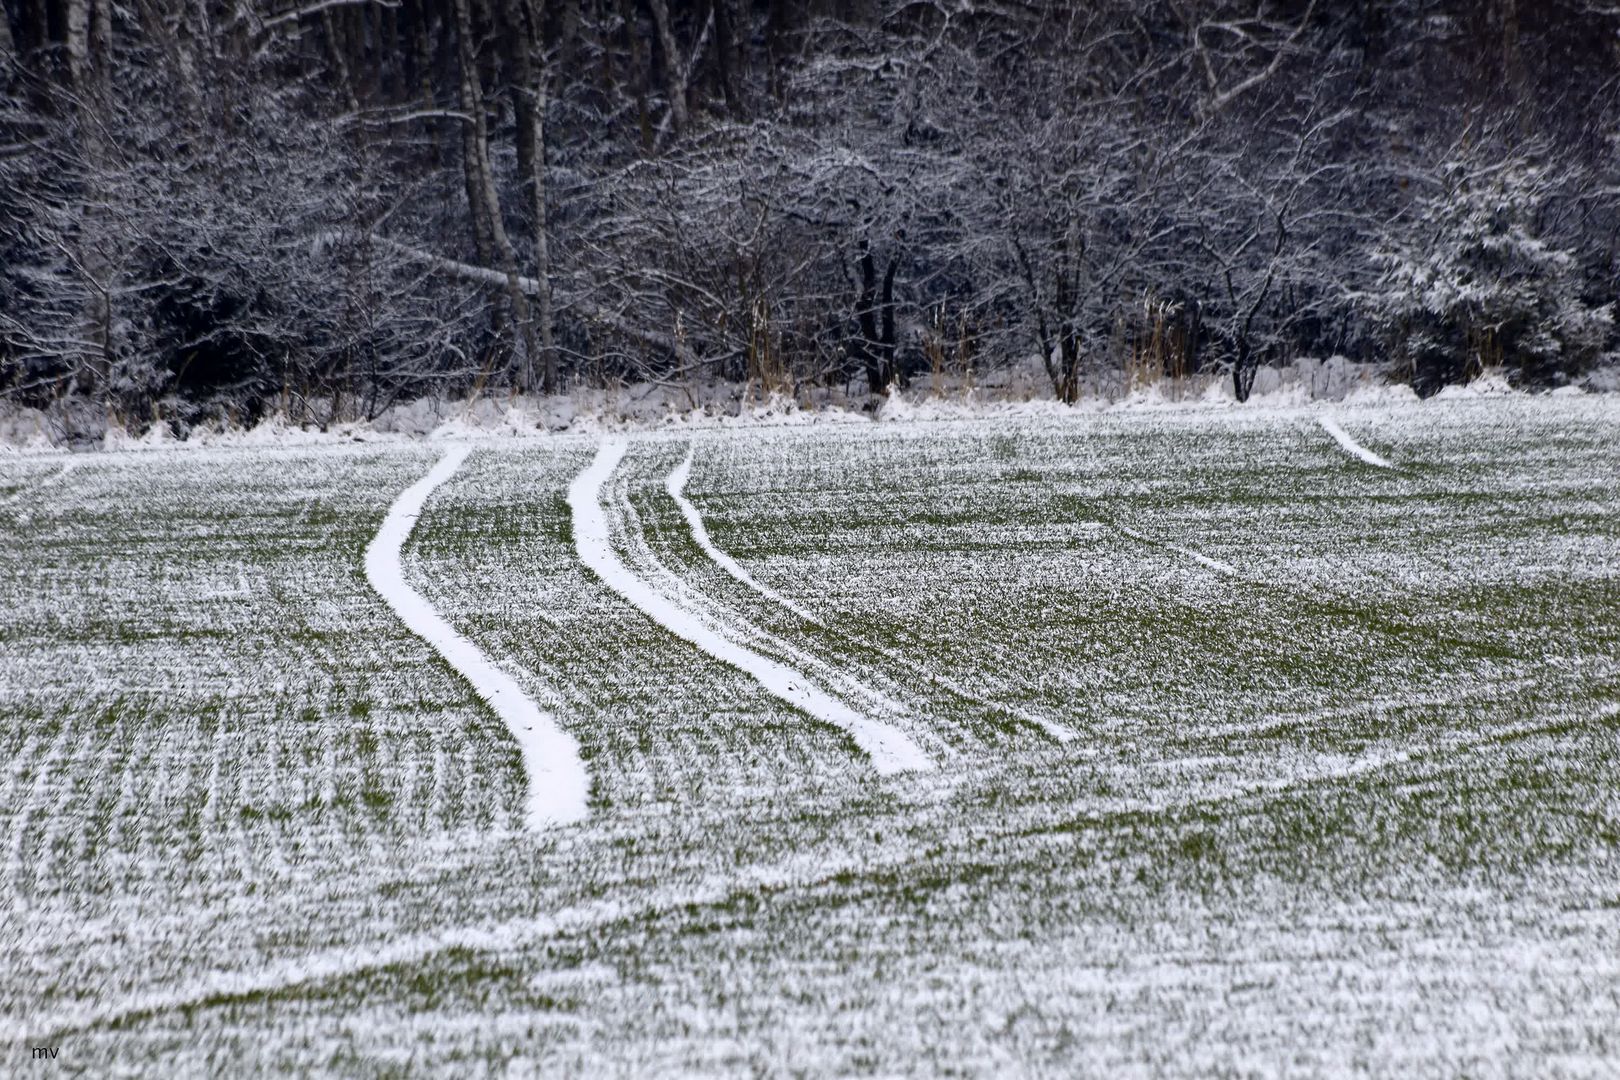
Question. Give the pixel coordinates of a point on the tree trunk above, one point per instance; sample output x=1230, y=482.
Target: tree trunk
x=542, y=252
x=1194, y=335
x=1067, y=384
x=866, y=317
x=470, y=95
x=480, y=175
x=91, y=258
x=639, y=74
x=536, y=178
x=33, y=26
x=483, y=241
x=337, y=51
x=76, y=42
x=674, y=82
x=1243, y=371
x=519, y=38
x=875, y=348
x=778, y=26
x=100, y=39
x=730, y=55
x=421, y=61
x=1512, y=55
x=1068, y=389
x=891, y=373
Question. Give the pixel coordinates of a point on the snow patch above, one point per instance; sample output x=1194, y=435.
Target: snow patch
x=1490, y=384
x=1008, y=392
x=1604, y=379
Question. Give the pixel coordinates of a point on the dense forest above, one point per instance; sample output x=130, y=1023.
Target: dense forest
x=233, y=207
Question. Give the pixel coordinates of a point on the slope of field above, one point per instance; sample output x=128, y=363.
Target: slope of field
x=1248, y=755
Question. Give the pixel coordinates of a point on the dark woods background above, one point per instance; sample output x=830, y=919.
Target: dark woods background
x=231, y=207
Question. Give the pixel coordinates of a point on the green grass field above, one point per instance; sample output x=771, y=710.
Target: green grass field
x=1342, y=792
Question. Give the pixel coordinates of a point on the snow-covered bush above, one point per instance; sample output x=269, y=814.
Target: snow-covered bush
x=1470, y=282
x=216, y=208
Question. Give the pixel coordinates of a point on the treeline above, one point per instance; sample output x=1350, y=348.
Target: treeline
x=321, y=206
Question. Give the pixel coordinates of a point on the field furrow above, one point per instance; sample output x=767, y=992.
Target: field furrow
x=1337, y=786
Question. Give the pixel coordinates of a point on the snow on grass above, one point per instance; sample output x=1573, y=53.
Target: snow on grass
x=1351, y=447
x=558, y=789
x=1354, y=804
x=33, y=487
x=890, y=749
x=675, y=484
x=1198, y=557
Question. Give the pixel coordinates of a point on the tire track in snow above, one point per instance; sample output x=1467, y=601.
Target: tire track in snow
x=1196, y=556
x=314, y=968
x=675, y=484
x=890, y=749
x=49, y=478
x=647, y=565
x=1351, y=447
x=558, y=787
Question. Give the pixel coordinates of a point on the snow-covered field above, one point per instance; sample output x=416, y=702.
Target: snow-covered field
x=1183, y=741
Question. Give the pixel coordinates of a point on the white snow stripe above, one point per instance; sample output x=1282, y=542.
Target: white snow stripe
x=558, y=787
x=343, y=962
x=1199, y=557
x=890, y=749
x=319, y=967
x=1196, y=556
x=1351, y=447
x=1053, y=729
x=647, y=566
x=503, y=936
x=675, y=484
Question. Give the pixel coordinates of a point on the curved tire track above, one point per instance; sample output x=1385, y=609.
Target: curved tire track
x=890, y=749
x=1351, y=447
x=675, y=484
x=1224, y=568
x=558, y=786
